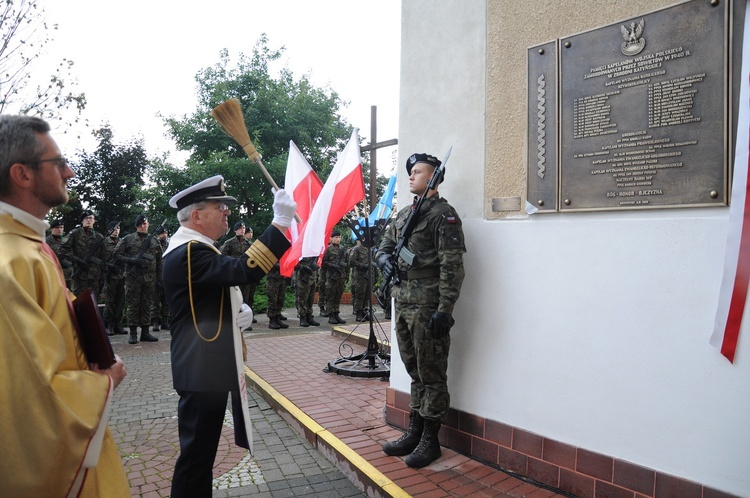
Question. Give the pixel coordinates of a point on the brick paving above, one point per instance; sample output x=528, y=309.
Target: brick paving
x=289, y=458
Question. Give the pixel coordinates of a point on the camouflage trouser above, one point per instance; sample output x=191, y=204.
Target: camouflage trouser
x=275, y=289
x=248, y=294
x=140, y=296
x=322, y=296
x=81, y=284
x=160, y=310
x=334, y=290
x=360, y=292
x=305, y=295
x=425, y=359
x=114, y=300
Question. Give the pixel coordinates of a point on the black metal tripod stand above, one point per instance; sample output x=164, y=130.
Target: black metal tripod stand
x=375, y=361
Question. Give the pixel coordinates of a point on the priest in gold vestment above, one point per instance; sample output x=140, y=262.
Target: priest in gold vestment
x=53, y=405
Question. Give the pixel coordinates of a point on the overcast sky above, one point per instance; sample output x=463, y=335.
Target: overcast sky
x=138, y=58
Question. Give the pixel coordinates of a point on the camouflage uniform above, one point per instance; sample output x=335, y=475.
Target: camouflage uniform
x=160, y=309
x=74, y=248
x=304, y=279
x=359, y=261
x=114, y=291
x=432, y=283
x=55, y=242
x=275, y=290
x=140, y=278
x=322, y=294
x=337, y=272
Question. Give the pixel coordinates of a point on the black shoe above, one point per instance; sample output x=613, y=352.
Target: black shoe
x=428, y=449
x=272, y=323
x=280, y=323
x=339, y=319
x=254, y=320
x=133, y=335
x=312, y=321
x=332, y=319
x=146, y=336
x=359, y=316
x=119, y=330
x=409, y=441
x=303, y=322
x=282, y=318
x=323, y=312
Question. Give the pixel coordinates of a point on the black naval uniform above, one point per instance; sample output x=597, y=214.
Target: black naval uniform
x=203, y=360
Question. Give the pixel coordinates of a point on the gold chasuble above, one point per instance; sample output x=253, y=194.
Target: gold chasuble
x=51, y=404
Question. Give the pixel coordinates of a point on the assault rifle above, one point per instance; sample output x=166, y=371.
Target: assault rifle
x=140, y=258
x=84, y=262
x=401, y=250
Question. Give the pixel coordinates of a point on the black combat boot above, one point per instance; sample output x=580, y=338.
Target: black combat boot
x=428, y=449
x=338, y=318
x=332, y=318
x=118, y=329
x=146, y=335
x=312, y=321
x=133, y=335
x=109, y=329
x=272, y=323
x=360, y=316
x=281, y=323
x=323, y=311
x=303, y=321
x=409, y=441
x=281, y=317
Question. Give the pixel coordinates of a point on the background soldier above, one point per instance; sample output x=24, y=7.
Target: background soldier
x=114, y=289
x=248, y=291
x=142, y=257
x=359, y=261
x=304, y=278
x=322, y=289
x=82, y=248
x=334, y=260
x=160, y=311
x=54, y=240
x=428, y=289
x=276, y=290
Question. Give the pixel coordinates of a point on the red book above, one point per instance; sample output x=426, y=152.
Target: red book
x=91, y=331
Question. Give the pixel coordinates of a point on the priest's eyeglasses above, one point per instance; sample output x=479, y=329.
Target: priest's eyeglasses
x=60, y=162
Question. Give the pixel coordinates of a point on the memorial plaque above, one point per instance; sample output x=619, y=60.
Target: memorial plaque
x=644, y=112
x=542, y=126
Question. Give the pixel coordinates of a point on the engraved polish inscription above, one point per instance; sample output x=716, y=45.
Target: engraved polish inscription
x=645, y=130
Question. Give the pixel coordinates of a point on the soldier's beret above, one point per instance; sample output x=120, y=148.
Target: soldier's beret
x=56, y=223
x=422, y=158
x=112, y=225
x=86, y=213
x=210, y=189
x=141, y=218
x=161, y=230
x=336, y=233
x=238, y=225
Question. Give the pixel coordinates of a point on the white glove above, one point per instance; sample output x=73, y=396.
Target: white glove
x=284, y=208
x=244, y=317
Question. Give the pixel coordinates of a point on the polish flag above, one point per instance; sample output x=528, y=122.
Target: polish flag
x=343, y=189
x=734, y=286
x=305, y=187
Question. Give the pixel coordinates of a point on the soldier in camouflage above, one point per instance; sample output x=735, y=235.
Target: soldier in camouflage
x=79, y=249
x=305, y=274
x=276, y=291
x=141, y=255
x=160, y=309
x=54, y=240
x=337, y=271
x=359, y=261
x=425, y=297
x=236, y=247
x=114, y=289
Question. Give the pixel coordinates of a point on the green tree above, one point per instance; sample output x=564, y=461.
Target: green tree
x=25, y=34
x=110, y=180
x=277, y=110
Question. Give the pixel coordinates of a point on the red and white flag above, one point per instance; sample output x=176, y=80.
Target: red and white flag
x=305, y=187
x=734, y=284
x=343, y=189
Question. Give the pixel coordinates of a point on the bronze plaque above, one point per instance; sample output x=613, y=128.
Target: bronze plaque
x=644, y=111
x=542, y=126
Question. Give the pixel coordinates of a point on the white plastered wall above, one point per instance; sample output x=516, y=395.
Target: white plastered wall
x=587, y=328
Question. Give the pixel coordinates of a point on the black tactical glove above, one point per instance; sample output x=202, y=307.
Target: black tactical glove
x=440, y=324
x=139, y=262
x=386, y=267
